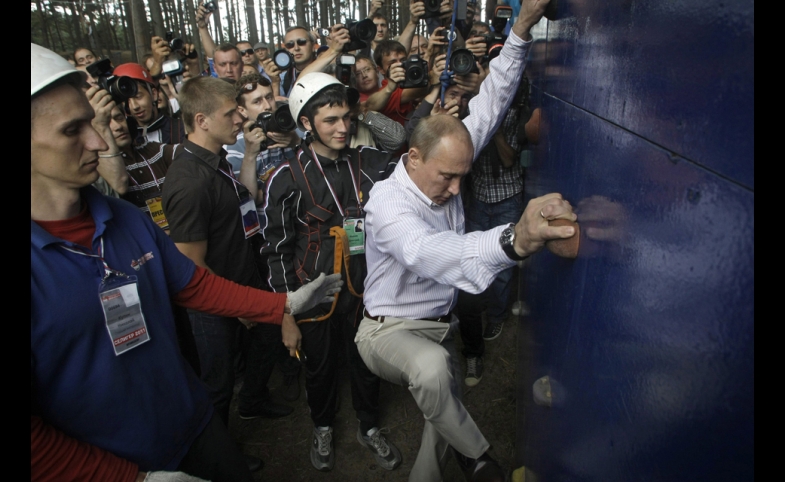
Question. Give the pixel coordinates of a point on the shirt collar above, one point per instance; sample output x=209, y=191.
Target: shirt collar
x=403, y=177
x=210, y=158
x=99, y=210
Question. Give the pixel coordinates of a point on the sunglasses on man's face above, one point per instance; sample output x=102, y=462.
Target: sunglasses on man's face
x=300, y=41
x=246, y=52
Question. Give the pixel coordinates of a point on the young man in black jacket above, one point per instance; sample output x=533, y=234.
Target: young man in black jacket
x=313, y=205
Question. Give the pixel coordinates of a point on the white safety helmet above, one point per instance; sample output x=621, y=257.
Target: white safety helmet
x=305, y=88
x=46, y=67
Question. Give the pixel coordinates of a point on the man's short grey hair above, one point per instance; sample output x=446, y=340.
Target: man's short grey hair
x=429, y=132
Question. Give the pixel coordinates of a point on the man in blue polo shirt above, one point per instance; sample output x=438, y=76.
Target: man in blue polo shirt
x=112, y=398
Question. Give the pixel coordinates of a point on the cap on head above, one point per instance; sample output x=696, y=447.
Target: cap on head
x=261, y=45
x=46, y=67
x=134, y=71
x=305, y=88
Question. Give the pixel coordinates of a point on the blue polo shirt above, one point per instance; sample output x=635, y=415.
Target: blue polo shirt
x=145, y=405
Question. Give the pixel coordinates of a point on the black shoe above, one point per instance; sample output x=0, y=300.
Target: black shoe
x=483, y=469
x=290, y=388
x=254, y=463
x=269, y=410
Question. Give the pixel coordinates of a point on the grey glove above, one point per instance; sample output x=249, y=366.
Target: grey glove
x=315, y=293
x=171, y=477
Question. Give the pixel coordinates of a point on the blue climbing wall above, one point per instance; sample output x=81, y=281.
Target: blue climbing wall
x=647, y=337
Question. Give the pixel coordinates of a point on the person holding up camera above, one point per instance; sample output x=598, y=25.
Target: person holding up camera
x=255, y=98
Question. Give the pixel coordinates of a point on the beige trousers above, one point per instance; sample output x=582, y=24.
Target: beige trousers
x=421, y=354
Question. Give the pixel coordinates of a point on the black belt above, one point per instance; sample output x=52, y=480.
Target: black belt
x=442, y=319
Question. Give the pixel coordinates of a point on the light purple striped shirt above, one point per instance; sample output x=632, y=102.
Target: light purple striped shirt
x=417, y=251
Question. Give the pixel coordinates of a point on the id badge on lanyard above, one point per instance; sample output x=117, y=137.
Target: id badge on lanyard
x=355, y=234
x=123, y=313
x=156, y=209
x=248, y=212
x=119, y=297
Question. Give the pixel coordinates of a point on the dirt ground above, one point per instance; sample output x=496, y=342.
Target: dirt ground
x=283, y=444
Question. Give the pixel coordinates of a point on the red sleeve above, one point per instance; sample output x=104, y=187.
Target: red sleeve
x=56, y=457
x=212, y=294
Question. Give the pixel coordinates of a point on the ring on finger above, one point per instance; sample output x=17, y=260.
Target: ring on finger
x=541, y=214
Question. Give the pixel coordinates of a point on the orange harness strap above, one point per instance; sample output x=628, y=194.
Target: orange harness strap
x=340, y=259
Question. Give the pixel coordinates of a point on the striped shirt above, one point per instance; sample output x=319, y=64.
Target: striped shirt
x=417, y=251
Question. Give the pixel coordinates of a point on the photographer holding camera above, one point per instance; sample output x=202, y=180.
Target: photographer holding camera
x=254, y=163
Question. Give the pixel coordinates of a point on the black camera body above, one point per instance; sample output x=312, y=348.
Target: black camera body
x=360, y=34
x=283, y=59
x=494, y=42
x=211, y=6
x=120, y=88
x=431, y=8
x=280, y=120
x=416, y=73
x=343, y=68
x=174, y=43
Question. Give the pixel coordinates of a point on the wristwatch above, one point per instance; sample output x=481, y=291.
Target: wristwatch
x=507, y=240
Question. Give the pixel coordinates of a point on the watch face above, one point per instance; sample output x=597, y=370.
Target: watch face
x=507, y=237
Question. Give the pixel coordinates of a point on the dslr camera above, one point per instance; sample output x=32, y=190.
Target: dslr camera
x=120, y=88
x=462, y=62
x=495, y=42
x=280, y=120
x=431, y=8
x=343, y=68
x=416, y=73
x=360, y=34
x=283, y=59
x=174, y=43
x=211, y=6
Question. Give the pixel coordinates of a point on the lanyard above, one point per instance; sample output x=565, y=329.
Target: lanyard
x=107, y=270
x=330, y=187
x=234, y=180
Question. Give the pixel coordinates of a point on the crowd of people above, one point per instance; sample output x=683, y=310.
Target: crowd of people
x=380, y=213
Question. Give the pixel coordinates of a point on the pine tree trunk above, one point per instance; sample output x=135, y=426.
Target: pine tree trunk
x=270, y=27
x=253, y=32
x=299, y=10
x=48, y=43
x=141, y=29
x=55, y=15
x=337, y=15
x=157, y=18
x=191, y=16
x=363, y=10
x=286, y=19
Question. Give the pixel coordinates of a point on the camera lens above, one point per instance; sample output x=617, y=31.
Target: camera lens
x=123, y=87
x=282, y=59
x=365, y=30
x=176, y=44
x=462, y=62
x=284, y=122
x=432, y=4
x=415, y=73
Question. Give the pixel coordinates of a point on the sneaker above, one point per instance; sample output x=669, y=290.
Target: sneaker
x=492, y=331
x=473, y=371
x=322, y=455
x=387, y=455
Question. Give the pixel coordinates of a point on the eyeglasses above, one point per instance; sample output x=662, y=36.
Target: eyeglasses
x=300, y=41
x=246, y=52
x=365, y=72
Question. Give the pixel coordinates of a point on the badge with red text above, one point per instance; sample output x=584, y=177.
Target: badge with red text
x=123, y=313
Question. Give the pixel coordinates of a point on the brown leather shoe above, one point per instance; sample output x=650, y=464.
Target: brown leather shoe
x=483, y=469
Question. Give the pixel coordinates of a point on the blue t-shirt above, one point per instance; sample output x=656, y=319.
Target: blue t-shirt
x=145, y=405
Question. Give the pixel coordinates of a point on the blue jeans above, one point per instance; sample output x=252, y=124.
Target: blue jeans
x=482, y=216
